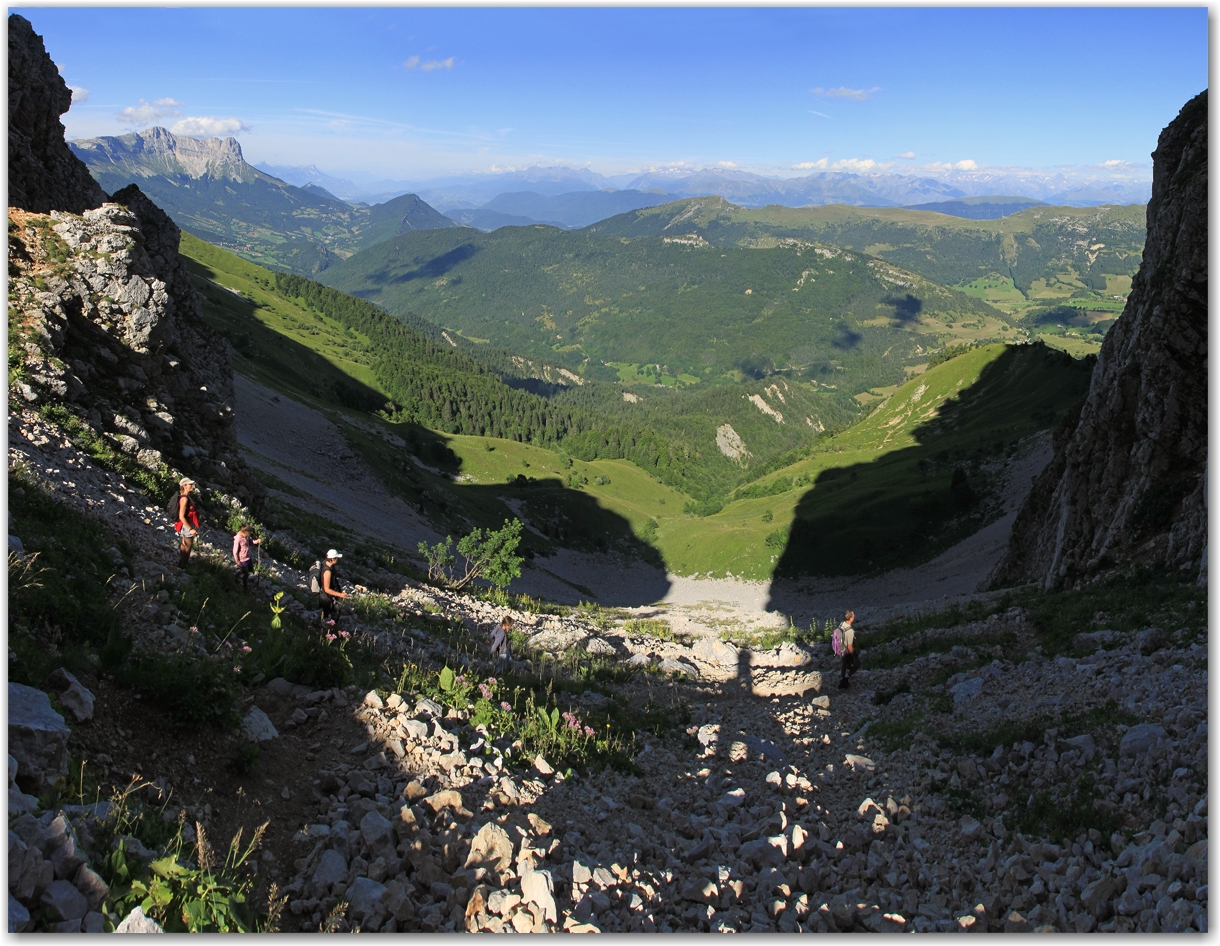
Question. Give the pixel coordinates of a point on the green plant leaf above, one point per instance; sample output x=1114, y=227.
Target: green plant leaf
x=446, y=680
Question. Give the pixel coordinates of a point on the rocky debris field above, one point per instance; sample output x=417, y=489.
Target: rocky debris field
x=964, y=781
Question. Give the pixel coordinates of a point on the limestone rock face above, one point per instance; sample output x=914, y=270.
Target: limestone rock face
x=37, y=738
x=43, y=174
x=1128, y=479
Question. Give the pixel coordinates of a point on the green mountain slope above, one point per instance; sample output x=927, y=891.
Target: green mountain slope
x=698, y=314
x=1044, y=247
x=349, y=359
x=887, y=491
x=417, y=375
x=206, y=186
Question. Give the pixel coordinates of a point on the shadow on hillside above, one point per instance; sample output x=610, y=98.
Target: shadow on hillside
x=556, y=517
x=437, y=266
x=908, y=506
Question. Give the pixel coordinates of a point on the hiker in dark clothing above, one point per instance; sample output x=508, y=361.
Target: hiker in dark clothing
x=330, y=595
x=851, y=660
x=187, y=524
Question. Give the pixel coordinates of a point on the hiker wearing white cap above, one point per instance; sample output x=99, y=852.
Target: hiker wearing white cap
x=330, y=595
x=187, y=524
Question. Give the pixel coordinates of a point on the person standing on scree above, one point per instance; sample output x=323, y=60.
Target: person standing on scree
x=330, y=595
x=187, y=524
x=851, y=660
x=242, y=542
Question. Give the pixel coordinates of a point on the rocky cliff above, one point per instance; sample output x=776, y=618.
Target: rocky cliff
x=110, y=340
x=1128, y=480
x=158, y=152
x=43, y=175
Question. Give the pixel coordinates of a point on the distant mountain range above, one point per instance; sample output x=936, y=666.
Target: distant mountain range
x=980, y=208
x=207, y=187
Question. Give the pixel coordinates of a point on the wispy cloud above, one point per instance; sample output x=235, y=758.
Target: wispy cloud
x=79, y=94
x=147, y=112
x=208, y=126
x=815, y=112
x=906, y=156
x=819, y=165
x=430, y=65
x=843, y=92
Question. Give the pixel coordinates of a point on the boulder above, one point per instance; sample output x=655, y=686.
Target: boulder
x=62, y=901
x=492, y=848
x=967, y=690
x=331, y=869
x=538, y=888
x=671, y=666
x=376, y=831
x=718, y=653
x=137, y=922
x=257, y=727
x=366, y=899
x=90, y=883
x=765, y=852
x=599, y=647
x=63, y=849
x=18, y=915
x=1140, y=739
x=73, y=695
x=37, y=738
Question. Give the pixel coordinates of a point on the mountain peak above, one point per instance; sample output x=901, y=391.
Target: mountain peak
x=170, y=153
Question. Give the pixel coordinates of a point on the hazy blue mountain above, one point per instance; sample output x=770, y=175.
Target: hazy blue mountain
x=577, y=209
x=487, y=220
x=304, y=176
x=980, y=208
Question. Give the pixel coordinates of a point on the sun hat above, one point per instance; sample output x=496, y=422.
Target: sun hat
x=333, y=554
x=186, y=481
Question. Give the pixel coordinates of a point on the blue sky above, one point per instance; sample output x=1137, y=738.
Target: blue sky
x=419, y=93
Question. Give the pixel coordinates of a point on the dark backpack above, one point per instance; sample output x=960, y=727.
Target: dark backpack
x=171, y=507
x=315, y=578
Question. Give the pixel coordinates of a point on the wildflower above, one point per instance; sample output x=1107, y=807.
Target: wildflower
x=194, y=629
x=491, y=681
x=460, y=680
x=245, y=648
x=589, y=731
x=330, y=637
x=345, y=634
x=504, y=706
x=485, y=690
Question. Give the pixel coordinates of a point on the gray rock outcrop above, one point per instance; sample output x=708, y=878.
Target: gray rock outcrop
x=1128, y=479
x=43, y=174
x=37, y=738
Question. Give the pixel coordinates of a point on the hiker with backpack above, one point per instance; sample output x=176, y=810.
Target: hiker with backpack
x=242, y=543
x=843, y=642
x=325, y=584
x=186, y=514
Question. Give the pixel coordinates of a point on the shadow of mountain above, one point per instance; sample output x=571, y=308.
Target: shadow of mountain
x=439, y=265
x=906, y=308
x=907, y=506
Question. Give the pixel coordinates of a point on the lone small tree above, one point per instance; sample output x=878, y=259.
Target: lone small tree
x=489, y=555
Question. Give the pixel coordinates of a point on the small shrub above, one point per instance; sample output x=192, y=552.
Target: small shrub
x=487, y=555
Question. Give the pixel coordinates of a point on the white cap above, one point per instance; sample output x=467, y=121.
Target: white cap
x=333, y=554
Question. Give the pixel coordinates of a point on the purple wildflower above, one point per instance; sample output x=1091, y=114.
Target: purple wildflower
x=506, y=707
x=588, y=730
x=485, y=690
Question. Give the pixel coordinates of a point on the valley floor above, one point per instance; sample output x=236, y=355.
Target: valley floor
x=303, y=449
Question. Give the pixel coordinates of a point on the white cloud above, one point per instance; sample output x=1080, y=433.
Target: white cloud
x=727, y=164
x=843, y=92
x=148, y=112
x=819, y=165
x=208, y=126
x=79, y=94
x=966, y=165
x=906, y=155
x=1113, y=163
x=433, y=64
x=411, y=63
x=821, y=114
x=860, y=165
